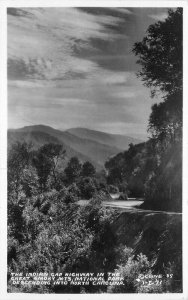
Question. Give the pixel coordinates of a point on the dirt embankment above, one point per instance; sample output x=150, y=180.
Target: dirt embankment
x=157, y=235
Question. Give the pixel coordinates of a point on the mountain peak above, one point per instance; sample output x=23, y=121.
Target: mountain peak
x=116, y=140
x=86, y=144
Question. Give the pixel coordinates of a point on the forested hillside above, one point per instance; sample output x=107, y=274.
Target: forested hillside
x=153, y=170
x=91, y=145
x=112, y=140
x=49, y=232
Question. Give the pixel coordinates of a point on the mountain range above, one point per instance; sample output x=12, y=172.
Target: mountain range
x=86, y=144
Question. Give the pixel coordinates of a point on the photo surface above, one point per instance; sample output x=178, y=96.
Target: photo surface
x=94, y=150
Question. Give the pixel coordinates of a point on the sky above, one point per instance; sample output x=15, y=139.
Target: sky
x=74, y=67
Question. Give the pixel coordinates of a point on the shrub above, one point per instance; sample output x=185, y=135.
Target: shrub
x=87, y=187
x=113, y=189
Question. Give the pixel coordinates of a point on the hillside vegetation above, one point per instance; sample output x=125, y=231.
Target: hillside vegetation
x=49, y=232
x=154, y=169
x=116, y=140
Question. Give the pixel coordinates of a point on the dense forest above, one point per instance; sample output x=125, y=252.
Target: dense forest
x=154, y=169
x=48, y=231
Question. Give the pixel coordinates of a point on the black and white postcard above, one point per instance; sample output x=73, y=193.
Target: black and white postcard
x=93, y=136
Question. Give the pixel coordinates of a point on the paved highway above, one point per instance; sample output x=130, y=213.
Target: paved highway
x=129, y=205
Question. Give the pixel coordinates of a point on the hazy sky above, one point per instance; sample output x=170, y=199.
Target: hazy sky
x=73, y=67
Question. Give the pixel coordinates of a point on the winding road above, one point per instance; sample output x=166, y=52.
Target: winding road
x=129, y=205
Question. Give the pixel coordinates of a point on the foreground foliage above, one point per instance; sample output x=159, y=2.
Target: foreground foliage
x=48, y=231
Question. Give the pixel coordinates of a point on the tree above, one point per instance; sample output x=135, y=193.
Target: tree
x=22, y=181
x=130, y=169
x=73, y=169
x=87, y=187
x=88, y=169
x=43, y=167
x=165, y=121
x=54, y=152
x=46, y=160
x=160, y=54
x=18, y=160
x=29, y=181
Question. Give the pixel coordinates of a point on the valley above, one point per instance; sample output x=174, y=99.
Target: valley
x=86, y=144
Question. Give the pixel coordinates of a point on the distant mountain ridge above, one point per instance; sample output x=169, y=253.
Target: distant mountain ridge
x=120, y=141
x=86, y=144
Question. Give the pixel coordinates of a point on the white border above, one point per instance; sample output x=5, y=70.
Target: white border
x=3, y=149
x=3, y=142
x=92, y=3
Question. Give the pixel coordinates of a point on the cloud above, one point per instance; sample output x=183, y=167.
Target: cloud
x=126, y=94
x=122, y=10
x=47, y=52
x=46, y=69
x=159, y=17
x=107, y=77
x=28, y=84
x=115, y=78
x=84, y=101
x=71, y=67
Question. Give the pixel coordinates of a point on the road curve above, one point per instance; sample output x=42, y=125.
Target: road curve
x=132, y=205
